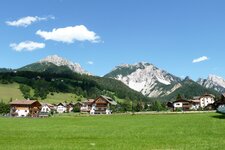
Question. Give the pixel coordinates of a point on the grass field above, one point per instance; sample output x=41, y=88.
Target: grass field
x=165, y=132
x=8, y=91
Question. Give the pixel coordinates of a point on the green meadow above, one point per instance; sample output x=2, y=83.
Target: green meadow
x=114, y=132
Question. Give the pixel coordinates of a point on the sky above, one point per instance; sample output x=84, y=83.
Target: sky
x=183, y=37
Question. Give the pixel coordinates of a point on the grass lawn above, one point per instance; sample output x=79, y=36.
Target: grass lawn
x=177, y=131
x=8, y=91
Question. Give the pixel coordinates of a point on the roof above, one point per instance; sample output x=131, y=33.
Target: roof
x=47, y=104
x=23, y=102
x=181, y=100
x=109, y=99
x=63, y=104
x=89, y=101
x=195, y=101
x=207, y=95
x=78, y=103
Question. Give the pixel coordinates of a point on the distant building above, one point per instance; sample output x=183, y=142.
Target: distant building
x=182, y=104
x=195, y=104
x=87, y=105
x=102, y=105
x=47, y=108
x=24, y=108
x=206, y=99
x=61, y=108
x=70, y=106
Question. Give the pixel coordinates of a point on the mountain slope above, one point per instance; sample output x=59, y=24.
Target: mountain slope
x=214, y=82
x=44, y=83
x=146, y=78
x=45, y=67
x=5, y=70
x=54, y=64
x=189, y=89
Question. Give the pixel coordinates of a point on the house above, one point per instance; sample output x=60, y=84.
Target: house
x=195, y=104
x=182, y=105
x=102, y=105
x=70, y=106
x=24, y=108
x=61, y=108
x=46, y=109
x=86, y=105
x=206, y=99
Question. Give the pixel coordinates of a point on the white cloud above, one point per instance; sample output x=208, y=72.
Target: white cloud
x=26, y=21
x=27, y=46
x=200, y=59
x=70, y=34
x=90, y=62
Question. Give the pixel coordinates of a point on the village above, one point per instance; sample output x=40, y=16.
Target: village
x=104, y=105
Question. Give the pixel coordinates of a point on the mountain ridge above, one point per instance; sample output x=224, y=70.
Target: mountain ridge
x=154, y=82
x=142, y=77
x=213, y=81
x=145, y=78
x=55, y=64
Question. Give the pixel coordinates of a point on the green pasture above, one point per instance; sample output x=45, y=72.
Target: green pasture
x=115, y=132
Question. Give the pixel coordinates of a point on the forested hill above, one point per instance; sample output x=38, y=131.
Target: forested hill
x=44, y=83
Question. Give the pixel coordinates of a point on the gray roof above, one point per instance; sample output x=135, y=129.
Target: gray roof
x=109, y=99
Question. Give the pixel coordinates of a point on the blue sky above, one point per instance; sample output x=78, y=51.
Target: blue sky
x=167, y=33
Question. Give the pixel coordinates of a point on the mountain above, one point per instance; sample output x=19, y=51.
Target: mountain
x=215, y=82
x=146, y=78
x=6, y=70
x=44, y=84
x=54, y=64
x=189, y=89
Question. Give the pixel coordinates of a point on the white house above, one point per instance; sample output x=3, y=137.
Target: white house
x=45, y=108
x=61, y=108
x=206, y=99
x=87, y=105
x=182, y=104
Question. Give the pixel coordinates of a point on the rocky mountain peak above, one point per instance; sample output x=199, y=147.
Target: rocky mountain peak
x=213, y=81
x=59, y=61
x=143, y=77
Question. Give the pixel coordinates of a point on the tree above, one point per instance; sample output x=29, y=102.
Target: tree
x=4, y=108
x=76, y=108
x=178, y=97
x=157, y=106
x=25, y=91
x=41, y=89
